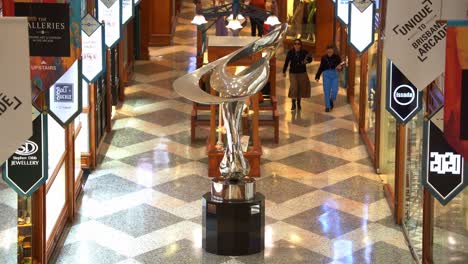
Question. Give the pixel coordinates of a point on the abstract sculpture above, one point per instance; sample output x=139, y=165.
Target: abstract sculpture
x=234, y=183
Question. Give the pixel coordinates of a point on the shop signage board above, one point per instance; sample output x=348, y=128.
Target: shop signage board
x=64, y=98
x=404, y=100
x=444, y=169
x=27, y=169
x=361, y=25
x=93, y=54
x=54, y=38
x=414, y=40
x=342, y=10
x=455, y=86
x=15, y=91
x=128, y=10
x=110, y=11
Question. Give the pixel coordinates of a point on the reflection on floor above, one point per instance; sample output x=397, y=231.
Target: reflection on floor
x=143, y=203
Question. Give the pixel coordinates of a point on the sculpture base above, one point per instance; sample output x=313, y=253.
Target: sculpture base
x=231, y=190
x=234, y=228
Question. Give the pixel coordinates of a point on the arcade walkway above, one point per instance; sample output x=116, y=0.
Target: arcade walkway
x=143, y=203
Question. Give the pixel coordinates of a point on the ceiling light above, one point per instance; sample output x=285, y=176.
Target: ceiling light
x=272, y=20
x=234, y=24
x=199, y=20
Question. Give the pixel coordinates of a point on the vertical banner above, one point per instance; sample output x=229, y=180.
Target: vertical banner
x=110, y=12
x=64, y=98
x=128, y=10
x=414, y=40
x=15, y=91
x=444, y=169
x=456, y=87
x=27, y=169
x=93, y=54
x=342, y=11
x=404, y=100
x=54, y=38
x=361, y=25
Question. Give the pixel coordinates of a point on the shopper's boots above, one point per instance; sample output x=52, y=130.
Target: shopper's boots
x=293, y=107
x=331, y=103
x=299, y=104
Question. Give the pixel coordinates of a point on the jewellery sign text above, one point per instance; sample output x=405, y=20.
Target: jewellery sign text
x=414, y=40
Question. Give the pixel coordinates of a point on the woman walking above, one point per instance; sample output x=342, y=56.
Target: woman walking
x=330, y=64
x=299, y=87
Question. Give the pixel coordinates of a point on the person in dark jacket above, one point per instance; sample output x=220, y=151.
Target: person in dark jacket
x=330, y=64
x=299, y=87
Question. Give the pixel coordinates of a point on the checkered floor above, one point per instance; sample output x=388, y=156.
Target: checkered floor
x=143, y=204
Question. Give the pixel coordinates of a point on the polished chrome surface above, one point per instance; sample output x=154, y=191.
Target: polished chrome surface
x=233, y=90
x=223, y=189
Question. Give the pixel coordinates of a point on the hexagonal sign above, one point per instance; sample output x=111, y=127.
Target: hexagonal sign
x=404, y=100
x=15, y=91
x=342, y=10
x=64, y=98
x=93, y=51
x=444, y=173
x=27, y=169
x=110, y=11
x=361, y=26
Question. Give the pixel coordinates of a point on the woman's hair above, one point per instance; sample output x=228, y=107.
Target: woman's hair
x=297, y=40
x=334, y=48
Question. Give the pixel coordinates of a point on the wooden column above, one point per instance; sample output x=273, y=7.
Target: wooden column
x=400, y=172
x=282, y=10
x=70, y=171
x=159, y=16
x=108, y=92
x=145, y=15
x=351, y=73
x=39, y=227
x=363, y=90
x=428, y=231
x=92, y=119
x=324, y=26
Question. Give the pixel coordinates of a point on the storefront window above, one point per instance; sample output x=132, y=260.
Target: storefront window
x=413, y=212
x=357, y=87
x=8, y=223
x=55, y=200
x=371, y=102
x=450, y=241
x=302, y=20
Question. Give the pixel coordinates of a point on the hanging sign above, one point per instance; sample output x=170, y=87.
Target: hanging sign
x=444, y=173
x=54, y=38
x=137, y=2
x=15, y=91
x=342, y=10
x=110, y=12
x=454, y=10
x=65, y=96
x=403, y=98
x=456, y=87
x=93, y=58
x=27, y=169
x=414, y=40
x=128, y=10
x=361, y=24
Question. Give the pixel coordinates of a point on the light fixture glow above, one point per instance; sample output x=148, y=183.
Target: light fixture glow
x=272, y=20
x=234, y=24
x=240, y=17
x=199, y=20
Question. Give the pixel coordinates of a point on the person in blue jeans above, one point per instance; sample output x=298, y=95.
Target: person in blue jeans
x=330, y=64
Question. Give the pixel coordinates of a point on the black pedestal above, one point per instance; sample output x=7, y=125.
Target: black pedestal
x=234, y=228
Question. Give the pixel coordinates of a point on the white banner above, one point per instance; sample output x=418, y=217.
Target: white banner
x=92, y=48
x=15, y=91
x=361, y=25
x=342, y=10
x=454, y=9
x=110, y=12
x=128, y=7
x=65, y=96
x=414, y=41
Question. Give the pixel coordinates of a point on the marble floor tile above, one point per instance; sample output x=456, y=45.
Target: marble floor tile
x=87, y=252
x=189, y=188
x=358, y=188
x=279, y=189
x=109, y=186
x=313, y=161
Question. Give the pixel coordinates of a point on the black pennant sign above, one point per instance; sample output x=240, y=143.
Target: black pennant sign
x=444, y=170
x=27, y=169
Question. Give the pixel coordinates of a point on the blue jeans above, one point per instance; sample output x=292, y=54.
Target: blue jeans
x=330, y=86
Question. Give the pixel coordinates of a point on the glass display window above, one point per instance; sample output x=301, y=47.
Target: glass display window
x=371, y=95
x=55, y=200
x=301, y=18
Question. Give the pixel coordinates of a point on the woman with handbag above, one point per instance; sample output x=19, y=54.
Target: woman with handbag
x=330, y=64
x=299, y=87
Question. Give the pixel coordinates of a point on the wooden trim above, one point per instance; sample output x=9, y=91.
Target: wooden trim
x=121, y=62
x=39, y=227
x=78, y=185
x=77, y=131
x=363, y=91
x=90, y=4
x=56, y=171
x=100, y=142
x=428, y=231
x=86, y=160
x=369, y=145
x=108, y=92
x=56, y=233
x=70, y=168
x=351, y=74
x=92, y=125
x=85, y=110
x=390, y=196
x=145, y=21
x=400, y=172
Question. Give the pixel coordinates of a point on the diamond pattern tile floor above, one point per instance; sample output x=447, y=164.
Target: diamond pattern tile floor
x=143, y=204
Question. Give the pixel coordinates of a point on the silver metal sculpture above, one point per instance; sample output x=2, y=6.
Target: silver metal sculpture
x=233, y=91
